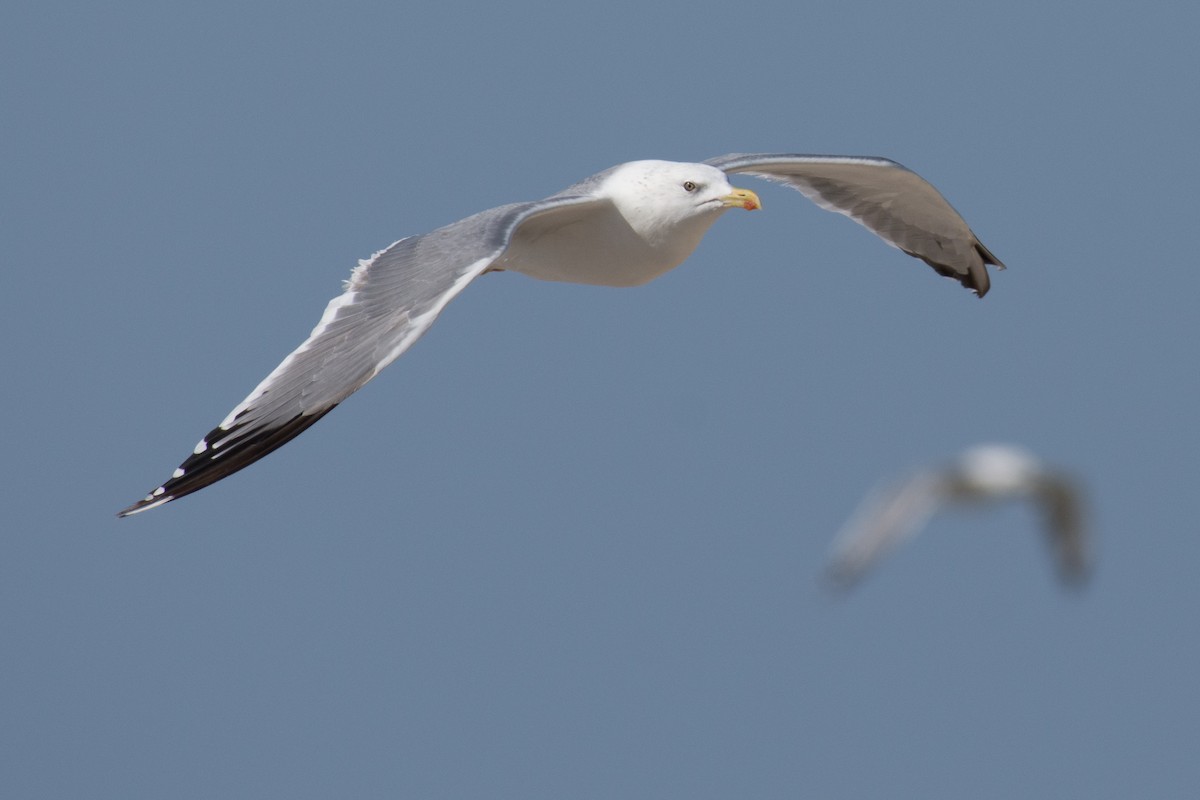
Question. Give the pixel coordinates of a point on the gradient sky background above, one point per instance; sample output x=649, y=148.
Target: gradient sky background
x=569, y=545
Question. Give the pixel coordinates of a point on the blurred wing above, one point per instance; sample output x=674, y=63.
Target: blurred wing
x=895, y=203
x=390, y=300
x=885, y=519
x=1062, y=506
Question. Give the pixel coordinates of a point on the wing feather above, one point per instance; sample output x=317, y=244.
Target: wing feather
x=884, y=520
x=890, y=200
x=1060, y=503
x=389, y=301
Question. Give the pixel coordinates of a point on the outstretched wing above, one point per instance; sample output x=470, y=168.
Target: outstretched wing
x=1059, y=501
x=389, y=301
x=885, y=519
x=895, y=203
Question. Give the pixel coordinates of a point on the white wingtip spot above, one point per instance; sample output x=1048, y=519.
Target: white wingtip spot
x=157, y=492
x=200, y=448
x=178, y=473
x=150, y=503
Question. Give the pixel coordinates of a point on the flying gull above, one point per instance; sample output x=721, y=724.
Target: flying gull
x=986, y=474
x=621, y=227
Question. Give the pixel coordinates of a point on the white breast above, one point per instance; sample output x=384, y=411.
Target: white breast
x=648, y=227
x=601, y=249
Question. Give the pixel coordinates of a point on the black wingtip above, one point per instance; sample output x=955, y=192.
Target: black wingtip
x=146, y=503
x=987, y=255
x=977, y=279
x=978, y=272
x=222, y=455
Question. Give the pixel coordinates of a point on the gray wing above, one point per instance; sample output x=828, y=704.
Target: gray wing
x=885, y=519
x=1062, y=506
x=895, y=203
x=389, y=301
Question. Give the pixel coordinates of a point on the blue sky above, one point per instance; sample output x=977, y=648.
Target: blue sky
x=569, y=545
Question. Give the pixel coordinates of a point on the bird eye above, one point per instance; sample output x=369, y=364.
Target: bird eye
x=689, y=186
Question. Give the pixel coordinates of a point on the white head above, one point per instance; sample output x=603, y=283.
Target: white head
x=999, y=467
x=659, y=212
x=672, y=201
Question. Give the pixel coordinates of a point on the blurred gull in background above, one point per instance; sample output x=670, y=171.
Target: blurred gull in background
x=986, y=474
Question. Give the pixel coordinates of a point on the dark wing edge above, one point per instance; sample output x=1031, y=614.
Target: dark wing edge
x=389, y=301
x=1061, y=503
x=887, y=198
x=200, y=469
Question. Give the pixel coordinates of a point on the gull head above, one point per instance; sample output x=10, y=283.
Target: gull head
x=671, y=202
x=999, y=469
x=655, y=214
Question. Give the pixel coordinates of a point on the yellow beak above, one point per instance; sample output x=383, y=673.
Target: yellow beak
x=742, y=198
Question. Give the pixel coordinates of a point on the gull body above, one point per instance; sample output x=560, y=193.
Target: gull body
x=621, y=227
x=984, y=475
x=650, y=225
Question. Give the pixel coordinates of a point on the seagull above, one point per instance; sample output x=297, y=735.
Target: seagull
x=624, y=226
x=985, y=474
